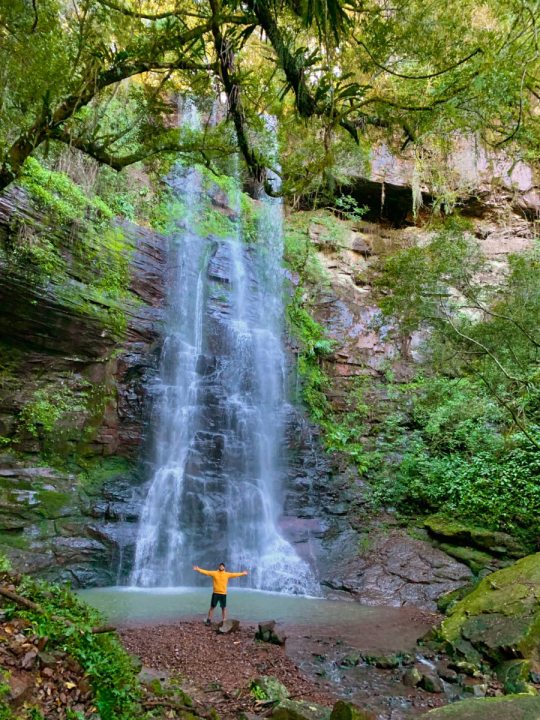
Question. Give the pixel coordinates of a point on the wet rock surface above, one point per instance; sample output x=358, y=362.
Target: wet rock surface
x=399, y=570
x=51, y=521
x=499, y=620
x=501, y=708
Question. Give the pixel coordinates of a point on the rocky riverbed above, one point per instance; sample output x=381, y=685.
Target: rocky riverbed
x=373, y=667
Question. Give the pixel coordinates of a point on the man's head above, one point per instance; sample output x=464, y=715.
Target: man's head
x=221, y=567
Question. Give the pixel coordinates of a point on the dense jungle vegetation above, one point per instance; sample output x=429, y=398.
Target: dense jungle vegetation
x=88, y=127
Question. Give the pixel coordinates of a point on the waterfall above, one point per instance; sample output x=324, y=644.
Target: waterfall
x=216, y=493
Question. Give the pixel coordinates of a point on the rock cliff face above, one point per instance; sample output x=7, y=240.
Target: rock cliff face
x=371, y=557
x=58, y=348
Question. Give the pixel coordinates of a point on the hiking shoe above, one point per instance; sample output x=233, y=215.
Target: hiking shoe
x=207, y=622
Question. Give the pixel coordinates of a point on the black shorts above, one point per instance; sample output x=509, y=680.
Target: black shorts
x=218, y=598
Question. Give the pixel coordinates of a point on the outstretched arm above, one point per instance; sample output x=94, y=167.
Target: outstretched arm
x=231, y=575
x=203, y=572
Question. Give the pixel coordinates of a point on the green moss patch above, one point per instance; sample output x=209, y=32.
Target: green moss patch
x=500, y=618
x=499, y=708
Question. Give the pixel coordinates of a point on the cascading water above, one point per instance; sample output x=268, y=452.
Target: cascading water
x=216, y=490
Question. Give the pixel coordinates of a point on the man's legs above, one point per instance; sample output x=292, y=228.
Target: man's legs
x=223, y=604
x=213, y=603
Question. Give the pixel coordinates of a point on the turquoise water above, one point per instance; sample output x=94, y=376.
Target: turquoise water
x=128, y=604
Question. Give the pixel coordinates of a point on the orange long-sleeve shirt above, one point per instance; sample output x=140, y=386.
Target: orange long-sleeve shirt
x=220, y=578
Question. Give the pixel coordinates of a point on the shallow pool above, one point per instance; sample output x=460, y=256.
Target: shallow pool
x=128, y=604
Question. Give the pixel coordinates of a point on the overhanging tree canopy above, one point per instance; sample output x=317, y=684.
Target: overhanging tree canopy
x=96, y=74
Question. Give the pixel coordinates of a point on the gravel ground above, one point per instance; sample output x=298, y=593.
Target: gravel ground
x=219, y=668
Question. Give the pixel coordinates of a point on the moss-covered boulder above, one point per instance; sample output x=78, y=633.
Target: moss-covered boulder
x=515, y=676
x=300, y=710
x=477, y=560
x=343, y=710
x=500, y=619
x=492, y=542
x=510, y=707
x=267, y=687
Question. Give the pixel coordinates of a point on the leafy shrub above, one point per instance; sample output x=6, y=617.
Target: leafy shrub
x=68, y=623
x=41, y=415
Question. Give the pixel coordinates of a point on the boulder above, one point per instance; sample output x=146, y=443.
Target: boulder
x=270, y=687
x=411, y=677
x=267, y=633
x=228, y=626
x=343, y=710
x=509, y=707
x=430, y=682
x=301, y=710
x=384, y=662
x=500, y=619
x=459, y=533
x=399, y=570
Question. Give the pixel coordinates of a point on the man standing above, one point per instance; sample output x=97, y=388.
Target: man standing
x=220, y=579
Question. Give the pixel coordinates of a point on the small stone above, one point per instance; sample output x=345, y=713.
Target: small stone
x=47, y=660
x=228, y=626
x=447, y=673
x=29, y=659
x=476, y=689
x=20, y=689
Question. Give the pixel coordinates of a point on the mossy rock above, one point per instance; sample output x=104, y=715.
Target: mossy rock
x=447, y=601
x=515, y=675
x=500, y=618
x=459, y=533
x=475, y=559
x=385, y=662
x=509, y=707
x=301, y=710
x=271, y=687
x=343, y=710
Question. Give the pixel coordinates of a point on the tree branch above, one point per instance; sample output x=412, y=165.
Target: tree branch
x=417, y=77
x=48, y=122
x=116, y=162
x=226, y=61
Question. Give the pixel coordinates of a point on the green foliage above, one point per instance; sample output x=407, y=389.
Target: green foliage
x=446, y=448
x=258, y=692
x=213, y=222
x=57, y=193
x=485, y=332
x=6, y=713
x=68, y=623
x=41, y=415
x=31, y=254
x=350, y=207
x=299, y=253
x=5, y=565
